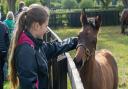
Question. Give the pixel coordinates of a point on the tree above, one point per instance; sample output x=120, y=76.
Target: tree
x=78, y=1
x=11, y=5
x=125, y=3
x=55, y=5
x=105, y=3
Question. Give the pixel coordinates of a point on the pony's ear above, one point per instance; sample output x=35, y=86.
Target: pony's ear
x=98, y=22
x=83, y=17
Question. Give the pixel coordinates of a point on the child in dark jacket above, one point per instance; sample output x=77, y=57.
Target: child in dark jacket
x=4, y=43
x=28, y=54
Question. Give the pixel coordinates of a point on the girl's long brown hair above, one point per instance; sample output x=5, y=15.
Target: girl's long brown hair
x=35, y=13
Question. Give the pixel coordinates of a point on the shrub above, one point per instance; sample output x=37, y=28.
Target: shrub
x=55, y=5
x=69, y=4
x=86, y=4
x=29, y=2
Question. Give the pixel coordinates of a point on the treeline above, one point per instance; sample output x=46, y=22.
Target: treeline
x=12, y=5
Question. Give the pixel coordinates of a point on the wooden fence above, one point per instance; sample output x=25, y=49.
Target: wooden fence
x=72, y=19
x=60, y=66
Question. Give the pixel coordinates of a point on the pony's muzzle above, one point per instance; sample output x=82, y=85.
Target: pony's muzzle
x=79, y=64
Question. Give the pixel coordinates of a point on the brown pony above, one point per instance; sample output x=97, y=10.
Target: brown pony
x=99, y=69
x=124, y=20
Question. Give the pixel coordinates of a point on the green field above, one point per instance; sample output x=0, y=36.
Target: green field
x=108, y=38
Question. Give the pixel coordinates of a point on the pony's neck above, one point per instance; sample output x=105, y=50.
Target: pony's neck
x=89, y=65
x=91, y=60
x=88, y=70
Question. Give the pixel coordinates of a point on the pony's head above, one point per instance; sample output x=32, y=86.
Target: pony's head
x=87, y=37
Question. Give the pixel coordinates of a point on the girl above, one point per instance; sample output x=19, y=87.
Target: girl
x=28, y=54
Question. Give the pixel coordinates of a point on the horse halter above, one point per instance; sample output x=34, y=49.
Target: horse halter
x=86, y=51
x=86, y=56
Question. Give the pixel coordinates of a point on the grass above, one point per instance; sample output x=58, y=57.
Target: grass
x=108, y=38
x=6, y=85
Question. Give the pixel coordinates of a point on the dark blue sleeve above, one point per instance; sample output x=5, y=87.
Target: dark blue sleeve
x=55, y=48
x=26, y=67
